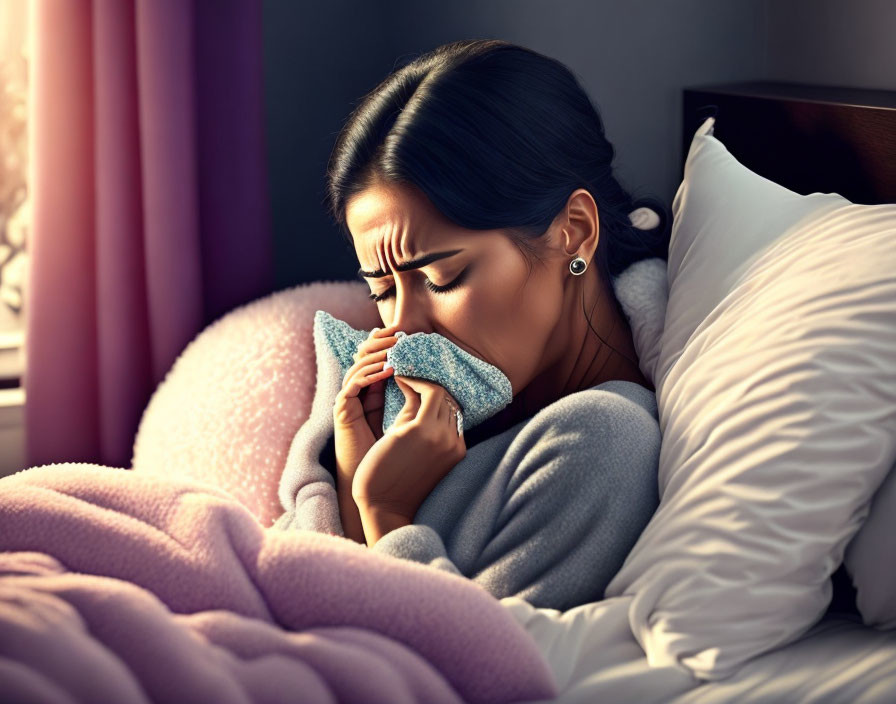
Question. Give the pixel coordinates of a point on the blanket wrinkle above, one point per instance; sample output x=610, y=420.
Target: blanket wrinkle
x=111, y=511
x=422, y=689
x=250, y=564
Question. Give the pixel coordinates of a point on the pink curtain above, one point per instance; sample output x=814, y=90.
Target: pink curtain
x=150, y=206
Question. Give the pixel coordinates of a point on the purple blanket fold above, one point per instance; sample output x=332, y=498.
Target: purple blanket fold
x=122, y=586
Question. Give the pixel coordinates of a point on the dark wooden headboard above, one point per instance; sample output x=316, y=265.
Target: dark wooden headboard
x=806, y=138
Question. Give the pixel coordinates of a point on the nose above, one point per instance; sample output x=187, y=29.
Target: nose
x=410, y=312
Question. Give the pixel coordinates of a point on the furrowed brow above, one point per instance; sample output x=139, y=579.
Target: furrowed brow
x=407, y=266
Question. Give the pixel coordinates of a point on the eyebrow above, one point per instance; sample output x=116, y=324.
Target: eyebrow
x=413, y=264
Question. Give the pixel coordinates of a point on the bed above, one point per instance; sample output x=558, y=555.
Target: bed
x=164, y=583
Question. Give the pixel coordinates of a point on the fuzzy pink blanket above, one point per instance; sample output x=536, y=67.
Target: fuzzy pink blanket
x=123, y=586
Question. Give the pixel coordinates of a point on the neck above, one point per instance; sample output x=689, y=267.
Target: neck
x=610, y=356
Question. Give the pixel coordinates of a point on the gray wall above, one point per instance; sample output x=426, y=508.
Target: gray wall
x=633, y=58
x=319, y=59
x=833, y=42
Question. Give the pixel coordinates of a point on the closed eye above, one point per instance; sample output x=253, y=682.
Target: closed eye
x=429, y=284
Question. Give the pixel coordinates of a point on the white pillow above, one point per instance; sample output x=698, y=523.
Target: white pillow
x=776, y=390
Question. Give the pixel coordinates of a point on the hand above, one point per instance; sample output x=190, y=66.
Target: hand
x=358, y=410
x=403, y=467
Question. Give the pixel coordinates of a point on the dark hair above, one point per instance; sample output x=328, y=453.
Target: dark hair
x=497, y=136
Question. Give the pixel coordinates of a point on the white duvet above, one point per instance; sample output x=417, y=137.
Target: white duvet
x=596, y=659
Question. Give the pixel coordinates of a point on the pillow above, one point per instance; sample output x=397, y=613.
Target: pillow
x=642, y=292
x=776, y=391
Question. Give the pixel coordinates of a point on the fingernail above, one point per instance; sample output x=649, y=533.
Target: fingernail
x=387, y=365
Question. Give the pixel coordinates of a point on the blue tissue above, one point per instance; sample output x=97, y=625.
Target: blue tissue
x=480, y=388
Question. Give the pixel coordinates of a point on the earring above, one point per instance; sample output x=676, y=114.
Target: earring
x=577, y=266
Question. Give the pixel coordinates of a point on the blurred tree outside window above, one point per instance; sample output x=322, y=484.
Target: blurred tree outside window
x=14, y=200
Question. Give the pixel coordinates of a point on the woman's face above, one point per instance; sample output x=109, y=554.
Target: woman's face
x=494, y=309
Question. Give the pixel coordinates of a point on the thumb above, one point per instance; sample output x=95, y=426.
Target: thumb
x=404, y=387
x=411, y=397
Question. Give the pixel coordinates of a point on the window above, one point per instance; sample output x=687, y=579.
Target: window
x=14, y=195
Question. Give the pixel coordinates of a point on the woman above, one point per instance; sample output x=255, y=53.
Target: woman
x=489, y=161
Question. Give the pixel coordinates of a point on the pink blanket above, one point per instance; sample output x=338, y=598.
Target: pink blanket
x=122, y=586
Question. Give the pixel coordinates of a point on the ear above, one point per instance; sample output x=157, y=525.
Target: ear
x=580, y=226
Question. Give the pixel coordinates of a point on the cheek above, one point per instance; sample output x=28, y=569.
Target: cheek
x=526, y=302
x=509, y=319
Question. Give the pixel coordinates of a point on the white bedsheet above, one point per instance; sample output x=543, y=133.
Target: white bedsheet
x=595, y=658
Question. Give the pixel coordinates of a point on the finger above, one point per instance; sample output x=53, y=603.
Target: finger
x=375, y=397
x=437, y=404
x=365, y=376
x=382, y=332
x=427, y=386
x=364, y=358
x=412, y=398
x=374, y=344
x=432, y=401
x=373, y=403
x=359, y=367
